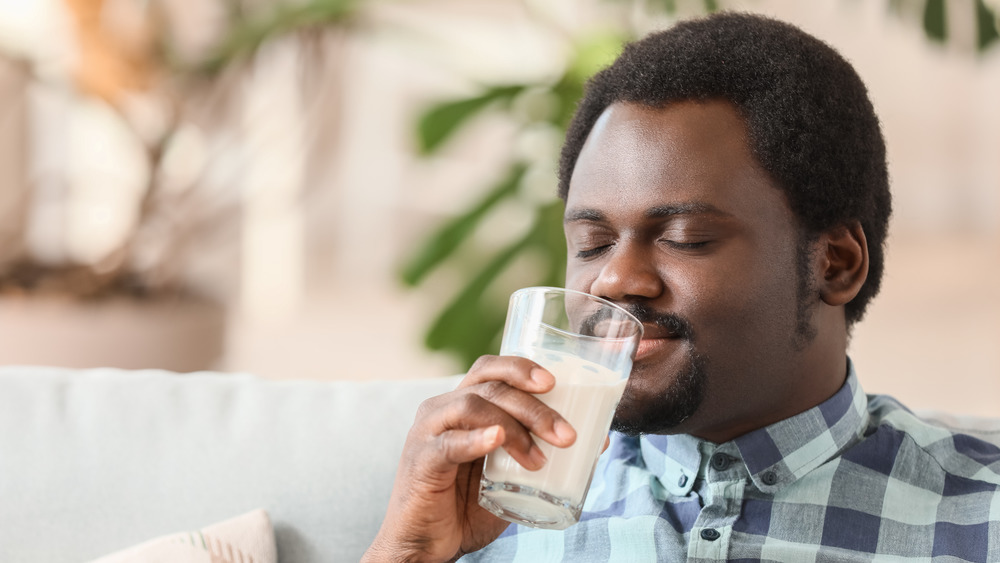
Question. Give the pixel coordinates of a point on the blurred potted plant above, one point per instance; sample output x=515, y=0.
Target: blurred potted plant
x=99, y=268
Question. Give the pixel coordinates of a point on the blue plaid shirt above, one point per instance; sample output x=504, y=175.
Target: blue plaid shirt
x=857, y=478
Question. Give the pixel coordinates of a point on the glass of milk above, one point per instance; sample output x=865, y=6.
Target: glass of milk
x=588, y=344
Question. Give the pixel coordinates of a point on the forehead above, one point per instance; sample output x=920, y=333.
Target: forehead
x=638, y=156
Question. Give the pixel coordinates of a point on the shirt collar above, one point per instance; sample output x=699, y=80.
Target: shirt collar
x=775, y=455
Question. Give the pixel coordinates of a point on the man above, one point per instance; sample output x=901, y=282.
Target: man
x=726, y=182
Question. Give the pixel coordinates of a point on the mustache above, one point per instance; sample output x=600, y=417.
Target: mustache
x=674, y=324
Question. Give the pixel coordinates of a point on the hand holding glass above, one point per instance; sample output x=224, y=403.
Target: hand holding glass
x=588, y=344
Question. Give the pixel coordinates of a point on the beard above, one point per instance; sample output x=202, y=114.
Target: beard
x=681, y=399
x=662, y=414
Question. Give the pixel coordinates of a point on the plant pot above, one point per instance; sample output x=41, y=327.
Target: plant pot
x=177, y=334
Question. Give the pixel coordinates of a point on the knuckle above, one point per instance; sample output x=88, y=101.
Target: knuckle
x=448, y=448
x=469, y=403
x=523, y=364
x=426, y=407
x=481, y=362
x=520, y=438
x=542, y=416
x=441, y=444
x=490, y=390
x=542, y=410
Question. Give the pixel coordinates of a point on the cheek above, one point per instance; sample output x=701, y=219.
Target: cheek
x=702, y=295
x=746, y=303
x=579, y=278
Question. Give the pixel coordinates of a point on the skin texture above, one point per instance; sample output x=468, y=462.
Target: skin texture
x=669, y=215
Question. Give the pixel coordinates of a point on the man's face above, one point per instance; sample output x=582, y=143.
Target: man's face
x=669, y=215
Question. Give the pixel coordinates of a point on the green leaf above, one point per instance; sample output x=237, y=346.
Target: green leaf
x=550, y=239
x=442, y=243
x=441, y=121
x=247, y=36
x=470, y=326
x=459, y=326
x=593, y=54
x=986, y=26
x=935, y=20
x=670, y=6
x=567, y=93
x=711, y=6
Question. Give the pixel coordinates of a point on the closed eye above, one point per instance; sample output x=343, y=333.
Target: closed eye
x=686, y=245
x=592, y=252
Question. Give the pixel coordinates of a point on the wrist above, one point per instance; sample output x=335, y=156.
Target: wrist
x=381, y=551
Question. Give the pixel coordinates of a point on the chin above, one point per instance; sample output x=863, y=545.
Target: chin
x=659, y=403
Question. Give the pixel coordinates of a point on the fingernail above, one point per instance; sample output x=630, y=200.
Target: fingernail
x=540, y=376
x=490, y=434
x=563, y=430
x=536, y=456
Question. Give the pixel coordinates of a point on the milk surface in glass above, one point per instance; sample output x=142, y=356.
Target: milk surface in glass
x=586, y=395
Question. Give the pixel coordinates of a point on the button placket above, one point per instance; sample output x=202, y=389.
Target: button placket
x=725, y=478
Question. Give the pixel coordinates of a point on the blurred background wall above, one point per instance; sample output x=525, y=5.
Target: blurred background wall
x=248, y=185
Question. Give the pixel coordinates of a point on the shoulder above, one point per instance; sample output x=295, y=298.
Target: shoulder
x=962, y=447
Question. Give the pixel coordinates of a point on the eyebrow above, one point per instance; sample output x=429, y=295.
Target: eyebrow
x=587, y=214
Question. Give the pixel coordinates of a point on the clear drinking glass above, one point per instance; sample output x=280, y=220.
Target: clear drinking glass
x=588, y=344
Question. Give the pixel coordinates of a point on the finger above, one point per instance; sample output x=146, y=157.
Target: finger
x=463, y=446
x=461, y=412
x=528, y=409
x=518, y=372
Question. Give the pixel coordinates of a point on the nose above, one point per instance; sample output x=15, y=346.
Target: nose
x=629, y=274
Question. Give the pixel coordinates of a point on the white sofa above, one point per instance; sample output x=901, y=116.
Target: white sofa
x=94, y=461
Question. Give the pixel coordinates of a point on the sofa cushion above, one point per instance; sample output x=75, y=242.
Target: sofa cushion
x=105, y=459
x=245, y=538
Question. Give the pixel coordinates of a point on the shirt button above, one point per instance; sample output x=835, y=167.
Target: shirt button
x=769, y=478
x=710, y=534
x=721, y=462
x=683, y=480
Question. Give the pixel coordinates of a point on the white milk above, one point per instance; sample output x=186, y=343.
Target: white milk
x=586, y=395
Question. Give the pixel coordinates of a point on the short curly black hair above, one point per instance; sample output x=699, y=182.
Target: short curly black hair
x=810, y=123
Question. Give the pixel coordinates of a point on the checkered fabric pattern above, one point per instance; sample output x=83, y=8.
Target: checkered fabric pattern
x=858, y=478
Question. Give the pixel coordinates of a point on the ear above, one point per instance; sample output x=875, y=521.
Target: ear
x=843, y=263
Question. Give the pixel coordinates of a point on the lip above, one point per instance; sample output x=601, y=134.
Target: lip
x=653, y=346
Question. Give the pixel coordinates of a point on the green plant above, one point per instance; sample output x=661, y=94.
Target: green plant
x=934, y=16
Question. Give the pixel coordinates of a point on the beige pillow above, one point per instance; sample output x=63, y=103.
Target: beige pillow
x=245, y=539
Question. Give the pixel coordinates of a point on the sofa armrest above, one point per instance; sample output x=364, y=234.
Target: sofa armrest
x=92, y=461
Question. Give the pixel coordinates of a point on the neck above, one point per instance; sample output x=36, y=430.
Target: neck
x=819, y=371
